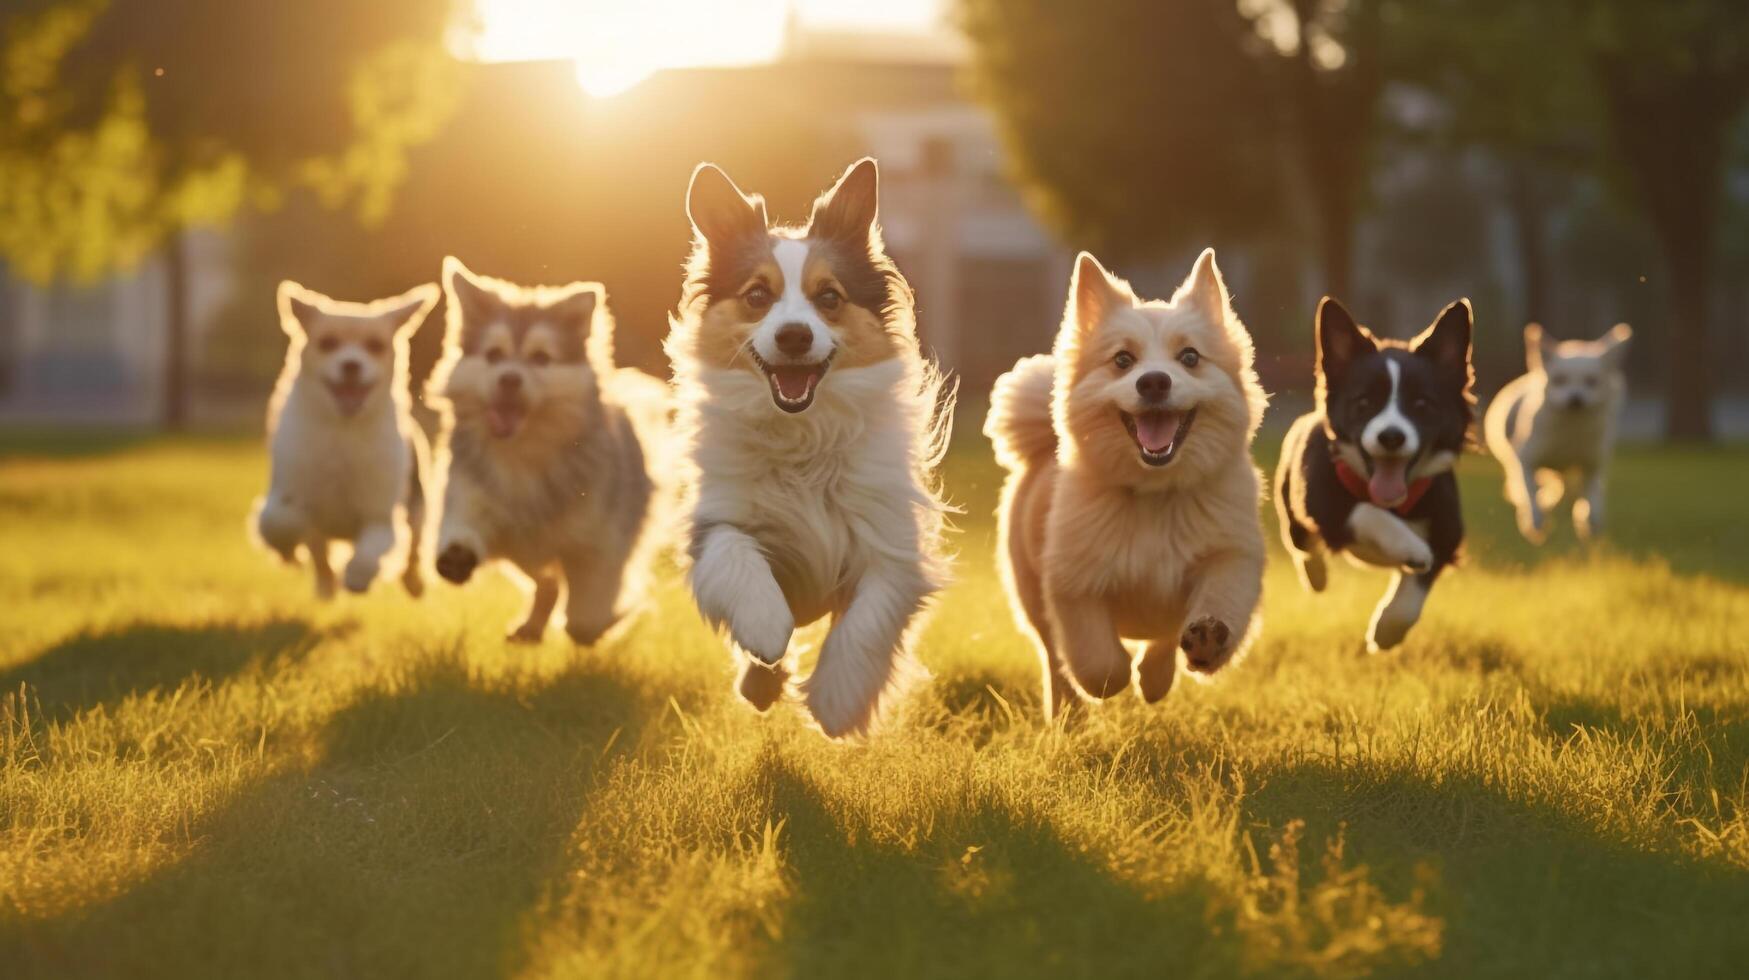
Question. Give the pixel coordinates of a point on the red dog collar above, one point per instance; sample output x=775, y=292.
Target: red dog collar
x=1355, y=484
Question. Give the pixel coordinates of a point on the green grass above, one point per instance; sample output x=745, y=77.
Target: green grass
x=204, y=772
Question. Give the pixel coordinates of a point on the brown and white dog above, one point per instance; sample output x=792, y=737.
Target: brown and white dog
x=543, y=465
x=813, y=424
x=1131, y=509
x=348, y=458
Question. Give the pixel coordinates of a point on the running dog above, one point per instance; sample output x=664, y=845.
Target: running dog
x=813, y=424
x=348, y=459
x=1369, y=471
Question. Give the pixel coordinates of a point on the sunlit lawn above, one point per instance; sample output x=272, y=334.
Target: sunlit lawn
x=207, y=773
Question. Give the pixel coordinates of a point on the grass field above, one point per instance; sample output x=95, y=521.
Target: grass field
x=203, y=772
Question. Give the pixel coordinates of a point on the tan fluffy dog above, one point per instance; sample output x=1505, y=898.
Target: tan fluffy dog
x=1132, y=508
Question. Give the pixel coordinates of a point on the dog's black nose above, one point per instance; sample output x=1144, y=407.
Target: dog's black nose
x=350, y=370
x=1154, y=386
x=795, y=339
x=1392, y=438
x=510, y=382
x=1575, y=402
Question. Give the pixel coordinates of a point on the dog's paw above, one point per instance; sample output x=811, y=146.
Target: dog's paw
x=1314, y=573
x=1387, y=633
x=358, y=576
x=1158, y=668
x=457, y=562
x=1530, y=524
x=527, y=633
x=1207, y=644
x=588, y=632
x=1417, y=556
x=838, y=714
x=762, y=686
x=763, y=633
x=413, y=582
x=325, y=587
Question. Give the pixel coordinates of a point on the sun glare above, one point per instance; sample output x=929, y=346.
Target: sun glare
x=618, y=44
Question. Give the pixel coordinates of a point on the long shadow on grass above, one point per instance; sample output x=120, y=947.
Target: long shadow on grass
x=435, y=816
x=1525, y=889
x=991, y=895
x=105, y=667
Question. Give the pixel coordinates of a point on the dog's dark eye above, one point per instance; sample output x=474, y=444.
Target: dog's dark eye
x=1189, y=357
x=828, y=300
x=375, y=347
x=1363, y=403
x=494, y=355
x=1421, y=403
x=1124, y=360
x=757, y=298
x=540, y=358
x=328, y=344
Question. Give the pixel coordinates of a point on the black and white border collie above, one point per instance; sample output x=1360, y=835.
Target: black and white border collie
x=1368, y=472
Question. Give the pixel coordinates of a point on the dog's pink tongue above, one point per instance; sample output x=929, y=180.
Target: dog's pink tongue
x=503, y=419
x=1154, y=430
x=1388, y=486
x=795, y=383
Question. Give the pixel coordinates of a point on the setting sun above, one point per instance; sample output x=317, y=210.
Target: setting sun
x=617, y=44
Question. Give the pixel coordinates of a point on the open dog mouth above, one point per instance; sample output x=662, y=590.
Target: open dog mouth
x=349, y=396
x=504, y=415
x=1158, y=433
x=1388, y=483
x=792, y=385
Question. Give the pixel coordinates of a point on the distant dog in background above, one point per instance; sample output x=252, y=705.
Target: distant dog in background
x=1557, y=422
x=347, y=457
x=814, y=424
x=1369, y=471
x=542, y=461
x=1131, y=509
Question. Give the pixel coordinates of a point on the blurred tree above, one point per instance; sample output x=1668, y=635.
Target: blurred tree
x=1139, y=127
x=1135, y=127
x=127, y=122
x=1505, y=89
x=1674, y=79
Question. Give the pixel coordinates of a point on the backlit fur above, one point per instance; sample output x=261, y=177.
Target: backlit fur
x=1554, y=427
x=347, y=457
x=1395, y=414
x=1099, y=546
x=543, y=453
x=828, y=509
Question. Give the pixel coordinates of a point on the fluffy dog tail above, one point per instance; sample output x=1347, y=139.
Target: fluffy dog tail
x=1019, y=422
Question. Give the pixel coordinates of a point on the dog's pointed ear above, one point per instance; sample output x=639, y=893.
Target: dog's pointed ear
x=1205, y=285
x=465, y=293
x=1094, y=293
x=1339, y=340
x=574, y=309
x=848, y=211
x=1533, y=346
x=717, y=208
x=1615, y=345
x=298, y=307
x=404, y=313
x=1447, y=342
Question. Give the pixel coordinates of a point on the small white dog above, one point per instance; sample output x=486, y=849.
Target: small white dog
x=348, y=459
x=544, y=451
x=1557, y=422
x=814, y=424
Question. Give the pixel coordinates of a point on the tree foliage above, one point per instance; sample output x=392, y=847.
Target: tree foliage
x=122, y=121
x=1134, y=127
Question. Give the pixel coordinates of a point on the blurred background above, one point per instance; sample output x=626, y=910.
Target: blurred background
x=1576, y=162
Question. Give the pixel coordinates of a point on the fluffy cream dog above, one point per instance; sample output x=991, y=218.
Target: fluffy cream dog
x=813, y=424
x=542, y=461
x=1557, y=422
x=347, y=457
x=1131, y=511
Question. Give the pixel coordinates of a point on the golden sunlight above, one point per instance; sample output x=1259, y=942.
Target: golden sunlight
x=618, y=43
